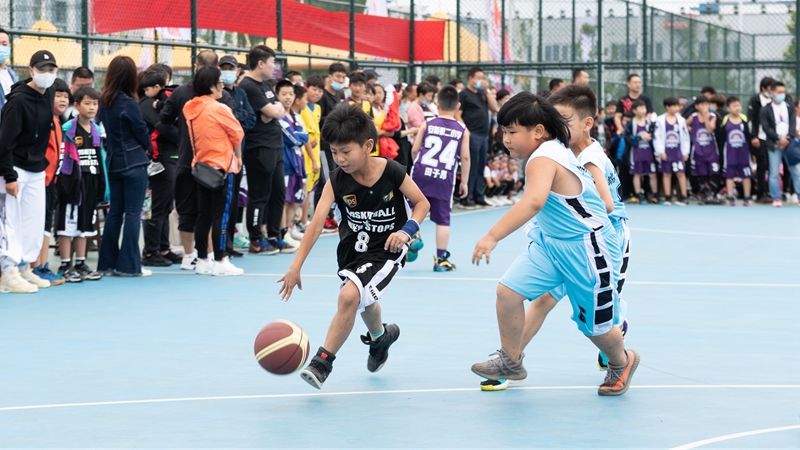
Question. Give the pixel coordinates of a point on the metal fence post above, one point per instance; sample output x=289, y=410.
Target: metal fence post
x=540, y=50
x=796, y=48
x=503, y=43
x=627, y=36
x=85, y=33
x=279, y=27
x=691, y=54
x=458, y=37
x=645, y=54
x=353, y=35
x=573, y=51
x=600, y=90
x=672, y=51
x=412, y=75
x=194, y=29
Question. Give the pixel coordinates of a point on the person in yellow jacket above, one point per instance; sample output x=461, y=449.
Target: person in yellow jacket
x=311, y=114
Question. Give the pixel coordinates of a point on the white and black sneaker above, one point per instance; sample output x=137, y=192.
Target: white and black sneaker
x=189, y=261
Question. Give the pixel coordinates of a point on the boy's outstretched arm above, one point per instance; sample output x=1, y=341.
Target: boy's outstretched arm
x=602, y=186
x=539, y=176
x=411, y=191
x=292, y=276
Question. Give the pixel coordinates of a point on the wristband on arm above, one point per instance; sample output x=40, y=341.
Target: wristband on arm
x=410, y=228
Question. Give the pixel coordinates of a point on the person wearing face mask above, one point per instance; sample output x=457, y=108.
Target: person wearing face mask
x=778, y=121
x=476, y=103
x=27, y=120
x=418, y=111
x=7, y=76
x=758, y=146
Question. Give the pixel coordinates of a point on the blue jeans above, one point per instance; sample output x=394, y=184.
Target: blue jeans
x=127, y=196
x=478, y=149
x=775, y=160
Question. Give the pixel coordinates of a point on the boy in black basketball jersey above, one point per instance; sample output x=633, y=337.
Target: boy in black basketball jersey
x=374, y=233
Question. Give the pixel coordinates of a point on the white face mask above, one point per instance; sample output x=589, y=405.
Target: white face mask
x=44, y=80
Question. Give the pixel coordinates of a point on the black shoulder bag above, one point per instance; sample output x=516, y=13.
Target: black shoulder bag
x=206, y=175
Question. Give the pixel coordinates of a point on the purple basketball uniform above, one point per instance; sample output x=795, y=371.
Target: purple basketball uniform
x=736, y=157
x=705, y=159
x=642, y=162
x=672, y=148
x=434, y=169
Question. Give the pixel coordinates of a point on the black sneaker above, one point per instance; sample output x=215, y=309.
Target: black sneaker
x=174, y=258
x=71, y=275
x=379, y=350
x=319, y=368
x=234, y=254
x=468, y=203
x=156, y=260
x=482, y=202
x=87, y=273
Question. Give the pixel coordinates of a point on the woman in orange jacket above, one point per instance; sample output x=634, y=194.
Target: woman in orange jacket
x=216, y=138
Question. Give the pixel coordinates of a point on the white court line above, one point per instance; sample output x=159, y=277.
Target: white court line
x=700, y=233
x=447, y=278
x=408, y=391
x=733, y=436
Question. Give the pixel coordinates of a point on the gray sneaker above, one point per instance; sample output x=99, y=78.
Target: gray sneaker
x=501, y=367
x=618, y=378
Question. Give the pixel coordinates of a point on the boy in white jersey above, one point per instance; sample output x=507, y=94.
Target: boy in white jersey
x=573, y=233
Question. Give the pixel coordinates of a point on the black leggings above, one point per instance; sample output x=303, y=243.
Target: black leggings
x=213, y=214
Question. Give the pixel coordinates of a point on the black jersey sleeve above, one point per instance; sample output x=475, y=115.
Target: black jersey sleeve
x=396, y=172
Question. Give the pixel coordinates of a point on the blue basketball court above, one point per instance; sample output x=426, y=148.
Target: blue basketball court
x=167, y=361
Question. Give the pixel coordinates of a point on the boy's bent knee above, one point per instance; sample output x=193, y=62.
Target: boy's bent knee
x=508, y=294
x=349, y=297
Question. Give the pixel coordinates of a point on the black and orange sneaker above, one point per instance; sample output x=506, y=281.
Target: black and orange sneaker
x=618, y=378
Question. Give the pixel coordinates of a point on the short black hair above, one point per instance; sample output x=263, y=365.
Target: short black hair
x=544, y=93
x=299, y=91
x=577, y=72
x=59, y=85
x=628, y=114
x=579, y=97
x=611, y=103
x=501, y=94
x=82, y=72
x=731, y=99
x=433, y=79
x=701, y=99
x=206, y=78
x=315, y=81
x=259, y=53
x=473, y=70
x=291, y=74
x=336, y=68
x=777, y=84
x=357, y=78
x=529, y=110
x=4, y=31
x=555, y=82
x=84, y=92
x=348, y=123
x=708, y=89
x=671, y=101
x=630, y=77
x=425, y=87
x=152, y=78
x=162, y=67
x=637, y=103
x=455, y=82
x=766, y=83
x=283, y=84
x=448, y=98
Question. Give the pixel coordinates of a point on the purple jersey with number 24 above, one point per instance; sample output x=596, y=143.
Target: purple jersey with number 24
x=435, y=167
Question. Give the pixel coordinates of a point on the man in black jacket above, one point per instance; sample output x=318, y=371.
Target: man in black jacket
x=185, y=185
x=779, y=122
x=27, y=120
x=757, y=144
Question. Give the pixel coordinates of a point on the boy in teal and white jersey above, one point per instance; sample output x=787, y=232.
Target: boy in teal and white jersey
x=572, y=232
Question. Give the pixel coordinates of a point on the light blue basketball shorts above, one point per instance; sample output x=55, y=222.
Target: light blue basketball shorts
x=585, y=268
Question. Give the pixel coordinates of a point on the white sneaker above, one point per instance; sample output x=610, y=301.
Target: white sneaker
x=13, y=283
x=290, y=240
x=490, y=200
x=189, y=261
x=507, y=201
x=146, y=272
x=793, y=199
x=226, y=269
x=33, y=279
x=296, y=232
x=204, y=267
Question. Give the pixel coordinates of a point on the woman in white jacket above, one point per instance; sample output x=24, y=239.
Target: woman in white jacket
x=671, y=145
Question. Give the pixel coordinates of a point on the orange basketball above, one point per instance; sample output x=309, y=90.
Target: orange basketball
x=282, y=347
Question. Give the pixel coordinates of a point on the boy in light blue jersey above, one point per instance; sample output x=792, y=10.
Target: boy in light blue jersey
x=572, y=233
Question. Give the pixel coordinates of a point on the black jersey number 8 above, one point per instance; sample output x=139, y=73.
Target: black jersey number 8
x=362, y=242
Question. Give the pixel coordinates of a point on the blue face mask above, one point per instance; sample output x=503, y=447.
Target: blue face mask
x=767, y=94
x=336, y=85
x=479, y=85
x=780, y=98
x=712, y=109
x=5, y=53
x=228, y=77
x=425, y=103
x=347, y=93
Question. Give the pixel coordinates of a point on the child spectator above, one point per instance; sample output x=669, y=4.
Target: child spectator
x=437, y=151
x=294, y=139
x=81, y=186
x=704, y=157
x=358, y=96
x=638, y=134
x=375, y=230
x=671, y=144
x=735, y=135
x=54, y=151
x=311, y=115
